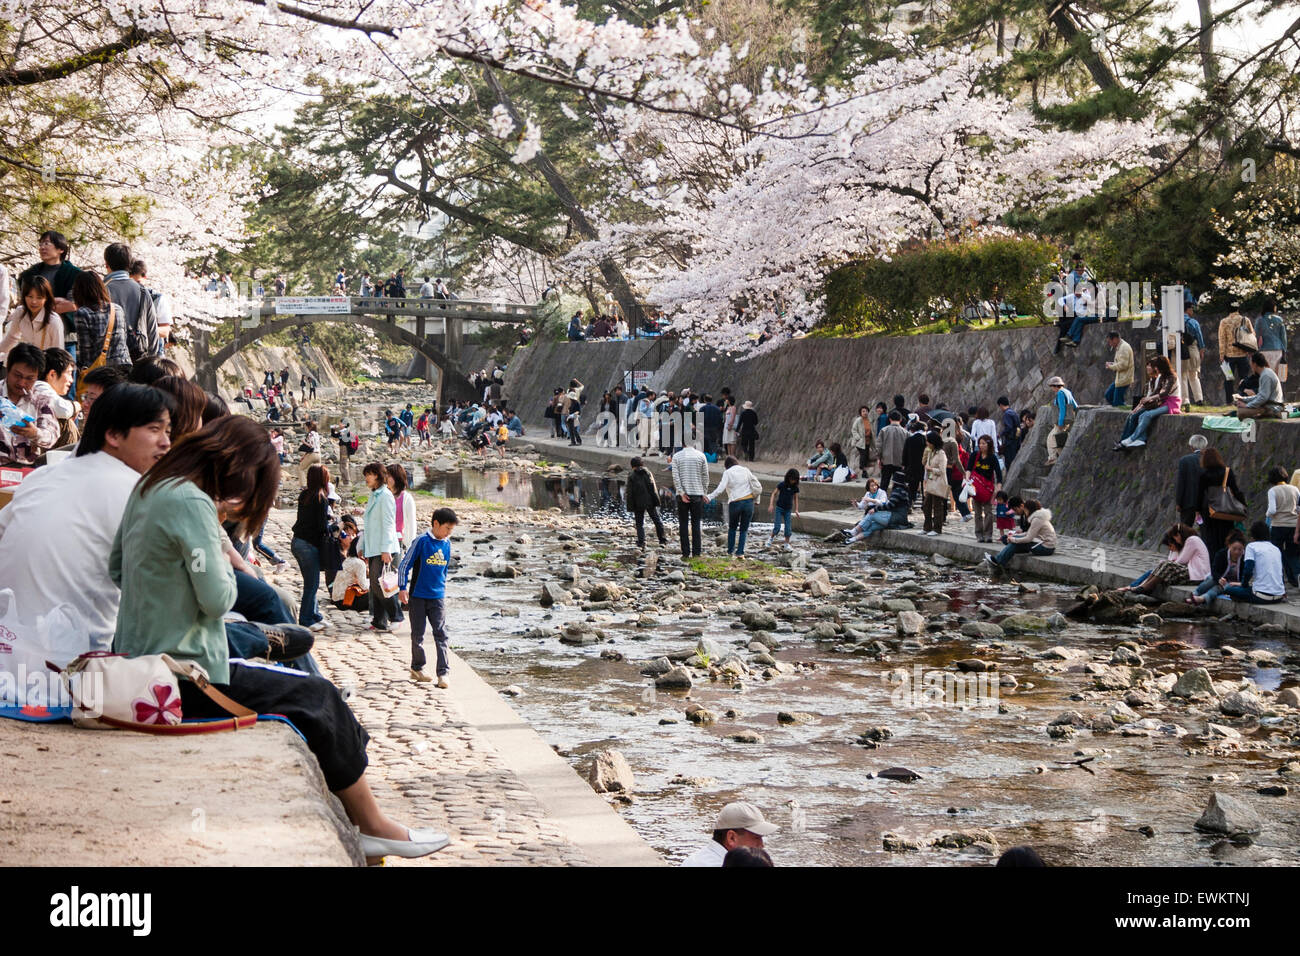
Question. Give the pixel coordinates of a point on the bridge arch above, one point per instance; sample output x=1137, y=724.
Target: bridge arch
x=453, y=385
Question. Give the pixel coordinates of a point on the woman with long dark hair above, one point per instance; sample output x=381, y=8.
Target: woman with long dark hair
x=1162, y=398
x=177, y=586
x=986, y=479
x=1214, y=473
x=93, y=317
x=34, y=321
x=310, y=537
x=190, y=402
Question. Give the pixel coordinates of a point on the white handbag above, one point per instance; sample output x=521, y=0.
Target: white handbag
x=967, y=489
x=112, y=691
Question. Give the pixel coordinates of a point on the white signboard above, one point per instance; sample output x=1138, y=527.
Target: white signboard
x=312, y=305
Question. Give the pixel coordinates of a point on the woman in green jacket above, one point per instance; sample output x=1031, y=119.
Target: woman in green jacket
x=169, y=560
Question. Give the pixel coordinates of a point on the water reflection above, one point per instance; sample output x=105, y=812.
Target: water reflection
x=603, y=495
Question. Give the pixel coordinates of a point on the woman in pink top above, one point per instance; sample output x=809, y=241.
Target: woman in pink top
x=1189, y=560
x=35, y=321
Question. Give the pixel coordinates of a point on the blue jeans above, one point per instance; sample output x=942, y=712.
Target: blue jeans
x=1116, y=395
x=1139, y=423
x=260, y=546
x=246, y=641
x=1015, y=548
x=876, y=521
x=1076, y=329
x=1209, y=589
x=781, y=517
x=257, y=601
x=1138, y=582
x=739, y=514
x=1244, y=592
x=308, y=557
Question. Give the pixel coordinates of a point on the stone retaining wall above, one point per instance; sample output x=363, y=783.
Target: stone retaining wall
x=811, y=388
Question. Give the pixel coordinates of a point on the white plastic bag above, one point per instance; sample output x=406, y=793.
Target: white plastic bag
x=840, y=475
x=967, y=489
x=59, y=636
x=388, y=582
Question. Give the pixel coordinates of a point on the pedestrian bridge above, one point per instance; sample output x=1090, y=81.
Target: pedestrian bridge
x=435, y=328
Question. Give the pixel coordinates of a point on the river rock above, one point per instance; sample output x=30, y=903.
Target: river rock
x=1124, y=654
x=1194, y=683
x=568, y=572
x=1121, y=713
x=901, y=774
x=500, y=568
x=795, y=717
x=909, y=623
x=656, y=667
x=1289, y=697
x=676, y=577
x=646, y=620
x=823, y=631
x=675, y=677
x=579, y=633
x=746, y=737
x=707, y=647
x=1070, y=718
x=603, y=591
x=699, y=715
x=975, y=665
x=1241, y=704
x=514, y=690
x=1060, y=731
x=1263, y=658
x=983, y=629
x=981, y=840
x=1229, y=815
x=759, y=620
x=1151, y=620
x=1023, y=623
x=1218, y=730
x=610, y=773
x=1064, y=654
x=818, y=584
x=898, y=605
x=553, y=593
x=874, y=735
x=895, y=843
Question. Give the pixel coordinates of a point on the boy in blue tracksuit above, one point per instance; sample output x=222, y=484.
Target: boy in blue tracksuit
x=426, y=562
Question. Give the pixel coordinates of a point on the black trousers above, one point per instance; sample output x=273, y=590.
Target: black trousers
x=689, y=516
x=431, y=610
x=638, y=516
x=887, y=473
x=747, y=445
x=1187, y=516
x=312, y=704
x=1010, y=448
x=383, y=609
x=1240, y=369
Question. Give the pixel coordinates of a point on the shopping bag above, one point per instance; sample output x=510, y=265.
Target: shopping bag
x=29, y=688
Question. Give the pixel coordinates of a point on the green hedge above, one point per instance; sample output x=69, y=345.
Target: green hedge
x=936, y=279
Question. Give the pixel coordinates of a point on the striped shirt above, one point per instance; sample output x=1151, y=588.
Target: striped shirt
x=690, y=472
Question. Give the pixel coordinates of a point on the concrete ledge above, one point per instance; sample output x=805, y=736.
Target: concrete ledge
x=1060, y=567
x=254, y=797
x=587, y=820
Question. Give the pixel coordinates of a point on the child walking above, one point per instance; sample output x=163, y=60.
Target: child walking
x=1004, y=518
x=425, y=562
x=783, y=503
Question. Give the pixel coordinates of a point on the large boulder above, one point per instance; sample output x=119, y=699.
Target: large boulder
x=1229, y=815
x=1194, y=683
x=982, y=629
x=759, y=620
x=553, y=593
x=1241, y=704
x=909, y=624
x=676, y=677
x=610, y=773
x=818, y=584
x=1023, y=623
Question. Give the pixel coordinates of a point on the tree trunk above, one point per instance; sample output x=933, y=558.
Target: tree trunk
x=615, y=281
x=1058, y=14
x=1210, y=70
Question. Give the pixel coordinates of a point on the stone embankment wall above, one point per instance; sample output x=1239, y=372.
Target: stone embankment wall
x=250, y=365
x=811, y=388
x=1128, y=497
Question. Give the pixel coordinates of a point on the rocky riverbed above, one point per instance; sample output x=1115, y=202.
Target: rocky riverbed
x=883, y=709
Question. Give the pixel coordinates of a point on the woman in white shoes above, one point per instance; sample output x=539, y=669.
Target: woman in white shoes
x=177, y=585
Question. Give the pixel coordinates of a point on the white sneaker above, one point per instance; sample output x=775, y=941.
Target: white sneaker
x=932, y=534
x=1135, y=443
x=318, y=626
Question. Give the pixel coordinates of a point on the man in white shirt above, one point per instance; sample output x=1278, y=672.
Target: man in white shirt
x=691, y=482
x=1261, y=570
x=426, y=289
x=739, y=824
x=84, y=497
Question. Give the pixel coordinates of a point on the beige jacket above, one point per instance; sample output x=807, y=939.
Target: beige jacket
x=936, y=472
x=1040, y=530
x=1123, y=362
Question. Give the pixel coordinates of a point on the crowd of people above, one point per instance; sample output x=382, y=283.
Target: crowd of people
x=170, y=493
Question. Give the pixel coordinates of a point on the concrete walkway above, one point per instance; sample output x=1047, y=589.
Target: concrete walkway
x=459, y=760
x=1076, y=561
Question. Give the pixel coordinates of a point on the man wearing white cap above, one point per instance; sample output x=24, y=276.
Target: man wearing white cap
x=739, y=824
x=1063, y=407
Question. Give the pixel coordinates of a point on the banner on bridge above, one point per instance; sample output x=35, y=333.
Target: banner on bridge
x=312, y=305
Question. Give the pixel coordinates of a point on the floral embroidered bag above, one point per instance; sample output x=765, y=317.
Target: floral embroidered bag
x=141, y=693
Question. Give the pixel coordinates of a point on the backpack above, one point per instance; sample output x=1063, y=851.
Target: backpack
x=355, y=443
x=137, y=343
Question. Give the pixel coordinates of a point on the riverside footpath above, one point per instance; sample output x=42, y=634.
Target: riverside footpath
x=824, y=508
x=460, y=760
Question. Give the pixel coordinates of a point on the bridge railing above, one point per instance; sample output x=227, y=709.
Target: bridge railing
x=468, y=310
